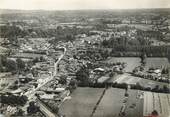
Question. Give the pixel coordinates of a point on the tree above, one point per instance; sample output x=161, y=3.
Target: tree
x=63, y=79
x=19, y=112
x=154, y=113
x=11, y=65
x=111, y=74
x=42, y=58
x=13, y=99
x=82, y=75
x=105, y=54
x=72, y=84
x=1, y=66
x=35, y=60
x=166, y=89
x=34, y=72
x=105, y=43
x=20, y=64
x=70, y=37
x=165, y=70
x=3, y=62
x=32, y=108
x=143, y=58
x=156, y=89
x=138, y=86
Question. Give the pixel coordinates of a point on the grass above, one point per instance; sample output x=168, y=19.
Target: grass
x=132, y=62
x=156, y=62
x=129, y=79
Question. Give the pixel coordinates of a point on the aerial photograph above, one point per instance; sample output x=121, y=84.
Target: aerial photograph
x=84, y=58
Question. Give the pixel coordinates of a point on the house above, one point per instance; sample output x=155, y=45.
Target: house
x=156, y=71
x=6, y=78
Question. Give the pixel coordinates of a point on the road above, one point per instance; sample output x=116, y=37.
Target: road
x=30, y=94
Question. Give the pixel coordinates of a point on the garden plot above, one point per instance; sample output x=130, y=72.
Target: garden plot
x=156, y=101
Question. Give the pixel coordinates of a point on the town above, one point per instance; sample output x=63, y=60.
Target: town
x=99, y=63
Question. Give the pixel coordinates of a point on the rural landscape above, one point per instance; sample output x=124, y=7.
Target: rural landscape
x=85, y=63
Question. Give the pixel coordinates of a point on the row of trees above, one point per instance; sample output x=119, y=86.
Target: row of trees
x=60, y=34
x=118, y=47
x=13, y=99
x=137, y=86
x=11, y=31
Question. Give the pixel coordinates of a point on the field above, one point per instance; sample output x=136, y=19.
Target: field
x=134, y=104
x=112, y=102
x=137, y=104
x=129, y=79
x=138, y=26
x=158, y=102
x=82, y=102
x=126, y=78
x=157, y=62
x=132, y=62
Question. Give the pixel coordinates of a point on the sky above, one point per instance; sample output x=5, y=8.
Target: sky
x=82, y=4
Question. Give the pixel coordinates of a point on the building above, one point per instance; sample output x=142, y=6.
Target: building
x=6, y=78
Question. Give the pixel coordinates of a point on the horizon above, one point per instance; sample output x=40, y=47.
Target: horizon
x=83, y=9
x=53, y=5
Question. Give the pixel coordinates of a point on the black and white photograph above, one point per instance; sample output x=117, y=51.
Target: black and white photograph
x=84, y=58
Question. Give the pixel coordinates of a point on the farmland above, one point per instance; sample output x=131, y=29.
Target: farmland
x=158, y=102
x=82, y=102
x=137, y=104
x=111, y=103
